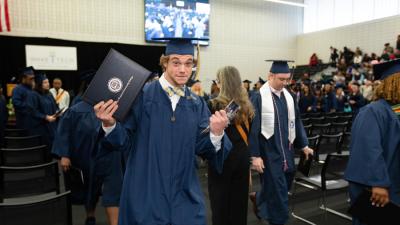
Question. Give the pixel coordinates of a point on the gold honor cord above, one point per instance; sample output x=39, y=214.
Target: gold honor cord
x=196, y=77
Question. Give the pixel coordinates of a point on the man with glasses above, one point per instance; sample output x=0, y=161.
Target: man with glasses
x=275, y=132
x=164, y=135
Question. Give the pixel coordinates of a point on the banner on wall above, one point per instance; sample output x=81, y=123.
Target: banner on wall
x=43, y=57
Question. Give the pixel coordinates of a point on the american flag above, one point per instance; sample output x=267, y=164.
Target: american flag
x=4, y=16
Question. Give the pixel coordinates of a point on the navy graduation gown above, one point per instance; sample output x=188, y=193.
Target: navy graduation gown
x=272, y=200
x=161, y=184
x=76, y=138
x=41, y=105
x=375, y=155
x=19, y=97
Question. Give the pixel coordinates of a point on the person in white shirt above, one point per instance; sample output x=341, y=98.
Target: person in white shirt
x=60, y=95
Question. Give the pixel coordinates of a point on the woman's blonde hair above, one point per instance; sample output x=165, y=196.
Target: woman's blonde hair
x=231, y=89
x=389, y=89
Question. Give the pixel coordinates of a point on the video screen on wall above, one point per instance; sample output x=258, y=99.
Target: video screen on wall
x=171, y=18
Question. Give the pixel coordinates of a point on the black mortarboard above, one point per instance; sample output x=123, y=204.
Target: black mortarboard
x=27, y=71
x=260, y=80
x=279, y=66
x=385, y=69
x=247, y=81
x=39, y=78
x=180, y=46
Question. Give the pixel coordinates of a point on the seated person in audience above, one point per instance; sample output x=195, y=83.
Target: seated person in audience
x=307, y=101
x=76, y=144
x=329, y=102
x=341, y=99
x=313, y=60
x=367, y=90
x=375, y=142
x=356, y=100
x=60, y=95
x=20, y=96
x=42, y=109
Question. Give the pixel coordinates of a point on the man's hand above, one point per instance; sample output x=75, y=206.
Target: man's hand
x=218, y=122
x=308, y=151
x=104, y=112
x=257, y=164
x=380, y=196
x=50, y=118
x=65, y=163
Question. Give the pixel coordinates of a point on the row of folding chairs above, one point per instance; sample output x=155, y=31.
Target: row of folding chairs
x=327, y=128
x=326, y=119
x=329, y=114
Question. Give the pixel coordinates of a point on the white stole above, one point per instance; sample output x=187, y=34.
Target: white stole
x=268, y=112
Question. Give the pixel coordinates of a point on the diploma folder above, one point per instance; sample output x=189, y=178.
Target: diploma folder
x=118, y=78
x=372, y=215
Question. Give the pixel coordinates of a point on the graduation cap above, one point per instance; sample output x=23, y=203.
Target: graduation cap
x=261, y=81
x=27, y=71
x=39, y=78
x=247, y=81
x=180, y=46
x=386, y=69
x=279, y=66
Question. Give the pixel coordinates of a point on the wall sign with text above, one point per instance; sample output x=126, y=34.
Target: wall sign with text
x=43, y=57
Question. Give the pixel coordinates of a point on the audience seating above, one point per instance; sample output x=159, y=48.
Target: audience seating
x=52, y=210
x=24, y=156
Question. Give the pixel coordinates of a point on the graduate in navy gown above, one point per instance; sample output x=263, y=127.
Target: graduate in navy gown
x=275, y=132
x=76, y=144
x=20, y=96
x=375, y=142
x=42, y=108
x=164, y=136
x=229, y=190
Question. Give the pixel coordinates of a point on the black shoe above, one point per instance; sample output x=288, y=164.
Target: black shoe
x=253, y=200
x=90, y=221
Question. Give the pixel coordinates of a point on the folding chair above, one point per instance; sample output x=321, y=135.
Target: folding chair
x=330, y=178
x=22, y=142
x=53, y=210
x=317, y=120
x=15, y=132
x=328, y=143
x=16, y=182
x=318, y=129
x=24, y=156
x=337, y=127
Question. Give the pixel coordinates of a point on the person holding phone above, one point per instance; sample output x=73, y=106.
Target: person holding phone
x=163, y=133
x=229, y=190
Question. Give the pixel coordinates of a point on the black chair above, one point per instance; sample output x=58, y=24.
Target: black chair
x=330, y=178
x=16, y=182
x=346, y=141
x=11, y=125
x=24, y=156
x=307, y=128
x=54, y=210
x=337, y=127
x=305, y=121
x=317, y=120
x=345, y=118
x=328, y=143
x=319, y=128
x=15, y=132
x=331, y=119
x=22, y=142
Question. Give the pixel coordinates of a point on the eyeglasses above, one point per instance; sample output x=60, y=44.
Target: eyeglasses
x=177, y=63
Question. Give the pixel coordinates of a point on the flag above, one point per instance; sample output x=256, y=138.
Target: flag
x=4, y=16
